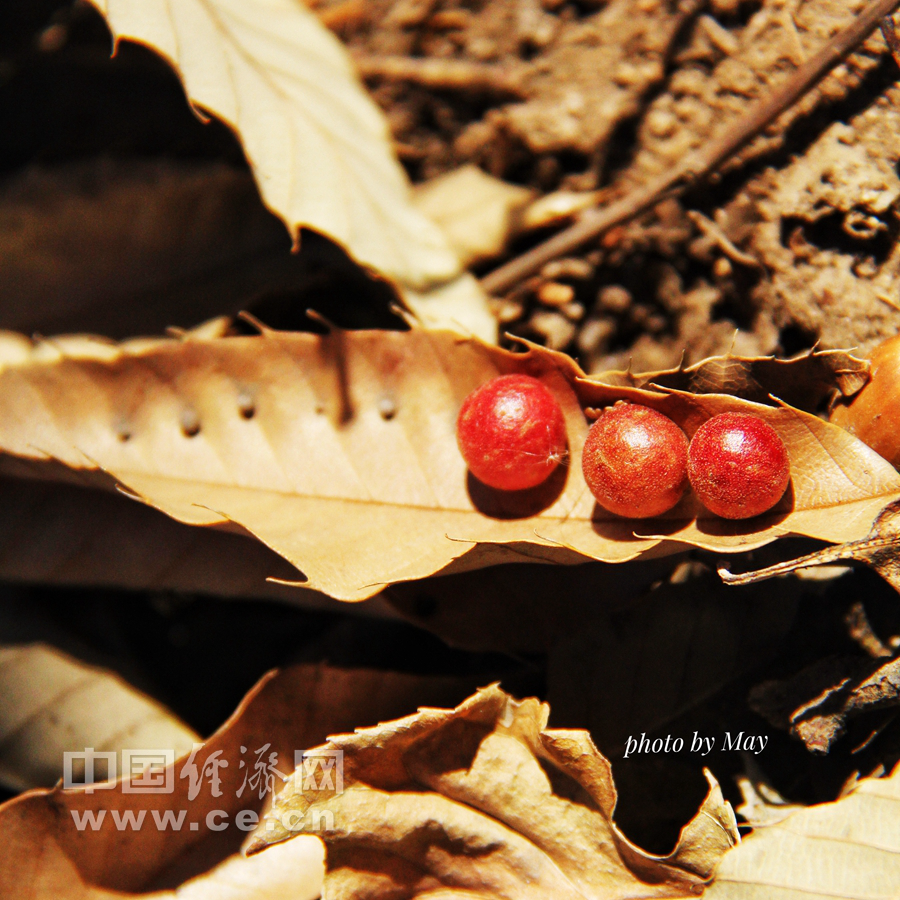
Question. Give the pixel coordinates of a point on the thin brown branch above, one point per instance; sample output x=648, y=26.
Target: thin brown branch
x=826, y=557
x=447, y=74
x=714, y=233
x=703, y=162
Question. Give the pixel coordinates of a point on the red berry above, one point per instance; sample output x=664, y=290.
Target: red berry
x=511, y=433
x=738, y=465
x=635, y=461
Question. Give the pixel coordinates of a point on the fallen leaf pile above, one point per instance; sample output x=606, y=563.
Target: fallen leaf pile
x=301, y=447
x=45, y=853
x=484, y=799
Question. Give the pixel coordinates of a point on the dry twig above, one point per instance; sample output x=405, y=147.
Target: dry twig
x=446, y=74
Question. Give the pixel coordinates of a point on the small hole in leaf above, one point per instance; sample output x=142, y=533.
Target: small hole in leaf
x=190, y=423
x=124, y=436
x=387, y=408
x=246, y=405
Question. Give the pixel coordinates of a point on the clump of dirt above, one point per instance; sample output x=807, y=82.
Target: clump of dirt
x=794, y=246
x=825, y=228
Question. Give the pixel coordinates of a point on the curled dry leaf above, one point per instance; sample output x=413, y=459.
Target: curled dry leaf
x=848, y=849
x=319, y=147
x=339, y=452
x=78, y=842
x=802, y=382
x=120, y=849
x=485, y=799
x=818, y=701
x=51, y=703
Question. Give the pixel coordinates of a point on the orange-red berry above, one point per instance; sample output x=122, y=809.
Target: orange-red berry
x=511, y=433
x=635, y=461
x=738, y=465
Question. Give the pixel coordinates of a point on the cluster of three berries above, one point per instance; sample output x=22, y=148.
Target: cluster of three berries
x=636, y=461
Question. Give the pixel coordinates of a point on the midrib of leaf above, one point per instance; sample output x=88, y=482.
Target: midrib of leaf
x=789, y=888
x=125, y=475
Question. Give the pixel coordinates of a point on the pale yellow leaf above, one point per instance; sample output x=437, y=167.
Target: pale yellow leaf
x=476, y=211
x=849, y=849
x=51, y=703
x=460, y=304
x=319, y=147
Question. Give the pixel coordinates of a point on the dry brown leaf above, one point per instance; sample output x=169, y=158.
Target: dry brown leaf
x=131, y=247
x=460, y=304
x=44, y=856
x=506, y=609
x=848, y=849
x=802, y=382
x=319, y=147
x=51, y=703
x=817, y=702
x=484, y=799
x=634, y=670
x=339, y=452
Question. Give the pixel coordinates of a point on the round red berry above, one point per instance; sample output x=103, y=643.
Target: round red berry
x=511, y=433
x=635, y=461
x=738, y=465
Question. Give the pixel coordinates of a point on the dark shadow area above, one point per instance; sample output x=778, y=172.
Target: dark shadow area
x=618, y=528
x=831, y=232
x=517, y=504
x=718, y=527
